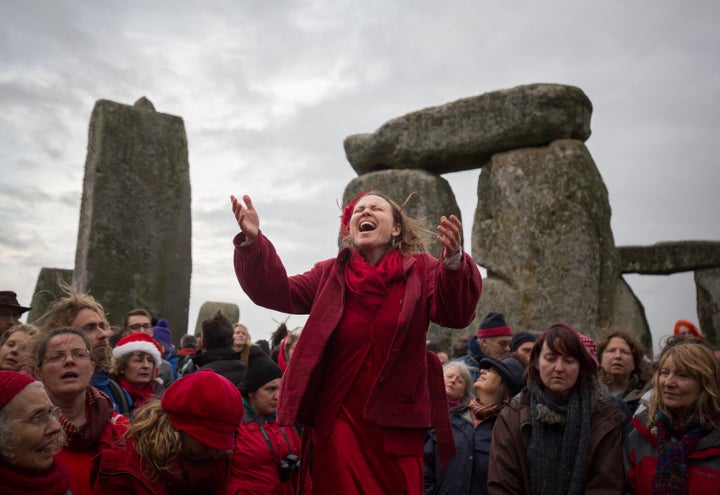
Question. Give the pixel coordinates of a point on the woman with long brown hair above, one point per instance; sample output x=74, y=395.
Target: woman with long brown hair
x=562, y=435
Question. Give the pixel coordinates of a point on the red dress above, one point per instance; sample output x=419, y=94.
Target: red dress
x=350, y=451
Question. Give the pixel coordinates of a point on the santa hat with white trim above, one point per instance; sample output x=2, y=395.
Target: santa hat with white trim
x=138, y=342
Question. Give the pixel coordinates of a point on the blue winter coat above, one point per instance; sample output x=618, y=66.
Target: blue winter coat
x=467, y=472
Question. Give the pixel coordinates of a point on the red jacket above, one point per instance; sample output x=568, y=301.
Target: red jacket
x=641, y=457
x=401, y=395
x=119, y=471
x=80, y=461
x=254, y=469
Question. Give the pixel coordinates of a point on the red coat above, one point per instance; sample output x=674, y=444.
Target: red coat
x=119, y=471
x=401, y=394
x=641, y=458
x=254, y=469
x=80, y=461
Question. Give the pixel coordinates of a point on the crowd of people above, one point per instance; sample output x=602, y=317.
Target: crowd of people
x=356, y=401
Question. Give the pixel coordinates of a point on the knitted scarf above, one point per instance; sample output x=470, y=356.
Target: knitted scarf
x=52, y=481
x=370, y=281
x=98, y=410
x=674, y=443
x=559, y=442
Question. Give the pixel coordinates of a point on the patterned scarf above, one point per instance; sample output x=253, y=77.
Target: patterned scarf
x=559, y=442
x=674, y=443
x=98, y=410
x=483, y=411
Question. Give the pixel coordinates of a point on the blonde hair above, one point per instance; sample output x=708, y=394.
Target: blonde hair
x=698, y=362
x=27, y=359
x=63, y=312
x=245, y=353
x=157, y=442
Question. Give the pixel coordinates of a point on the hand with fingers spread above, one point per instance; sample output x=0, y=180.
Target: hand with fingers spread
x=247, y=218
x=451, y=235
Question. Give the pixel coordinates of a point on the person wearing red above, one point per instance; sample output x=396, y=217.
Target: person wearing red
x=86, y=414
x=136, y=360
x=266, y=458
x=365, y=404
x=30, y=438
x=180, y=445
x=674, y=447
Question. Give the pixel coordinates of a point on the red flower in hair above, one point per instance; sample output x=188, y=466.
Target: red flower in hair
x=347, y=213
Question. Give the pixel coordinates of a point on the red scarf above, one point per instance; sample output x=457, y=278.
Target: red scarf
x=368, y=280
x=52, y=481
x=138, y=395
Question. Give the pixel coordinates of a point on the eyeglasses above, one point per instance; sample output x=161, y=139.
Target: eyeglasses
x=43, y=417
x=138, y=326
x=61, y=356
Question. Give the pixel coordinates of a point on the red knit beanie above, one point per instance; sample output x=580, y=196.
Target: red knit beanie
x=206, y=406
x=11, y=384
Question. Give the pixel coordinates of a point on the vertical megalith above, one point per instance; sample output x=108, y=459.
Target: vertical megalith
x=707, y=283
x=542, y=231
x=48, y=289
x=134, y=236
x=209, y=308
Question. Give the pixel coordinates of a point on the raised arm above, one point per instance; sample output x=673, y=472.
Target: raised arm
x=450, y=235
x=247, y=218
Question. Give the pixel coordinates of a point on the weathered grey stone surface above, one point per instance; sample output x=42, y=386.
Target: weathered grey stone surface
x=433, y=199
x=707, y=283
x=464, y=134
x=209, y=308
x=47, y=290
x=542, y=231
x=664, y=258
x=629, y=315
x=134, y=238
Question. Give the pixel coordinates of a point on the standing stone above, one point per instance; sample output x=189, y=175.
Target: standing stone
x=48, y=290
x=707, y=283
x=542, y=231
x=464, y=134
x=433, y=198
x=134, y=238
x=209, y=308
x=629, y=315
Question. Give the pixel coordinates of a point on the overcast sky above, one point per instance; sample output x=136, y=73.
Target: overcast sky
x=268, y=90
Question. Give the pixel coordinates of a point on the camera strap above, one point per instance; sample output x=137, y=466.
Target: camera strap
x=269, y=442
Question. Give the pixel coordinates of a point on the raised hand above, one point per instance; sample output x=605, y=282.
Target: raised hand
x=450, y=235
x=247, y=218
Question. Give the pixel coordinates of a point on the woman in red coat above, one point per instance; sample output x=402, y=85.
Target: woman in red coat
x=361, y=379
